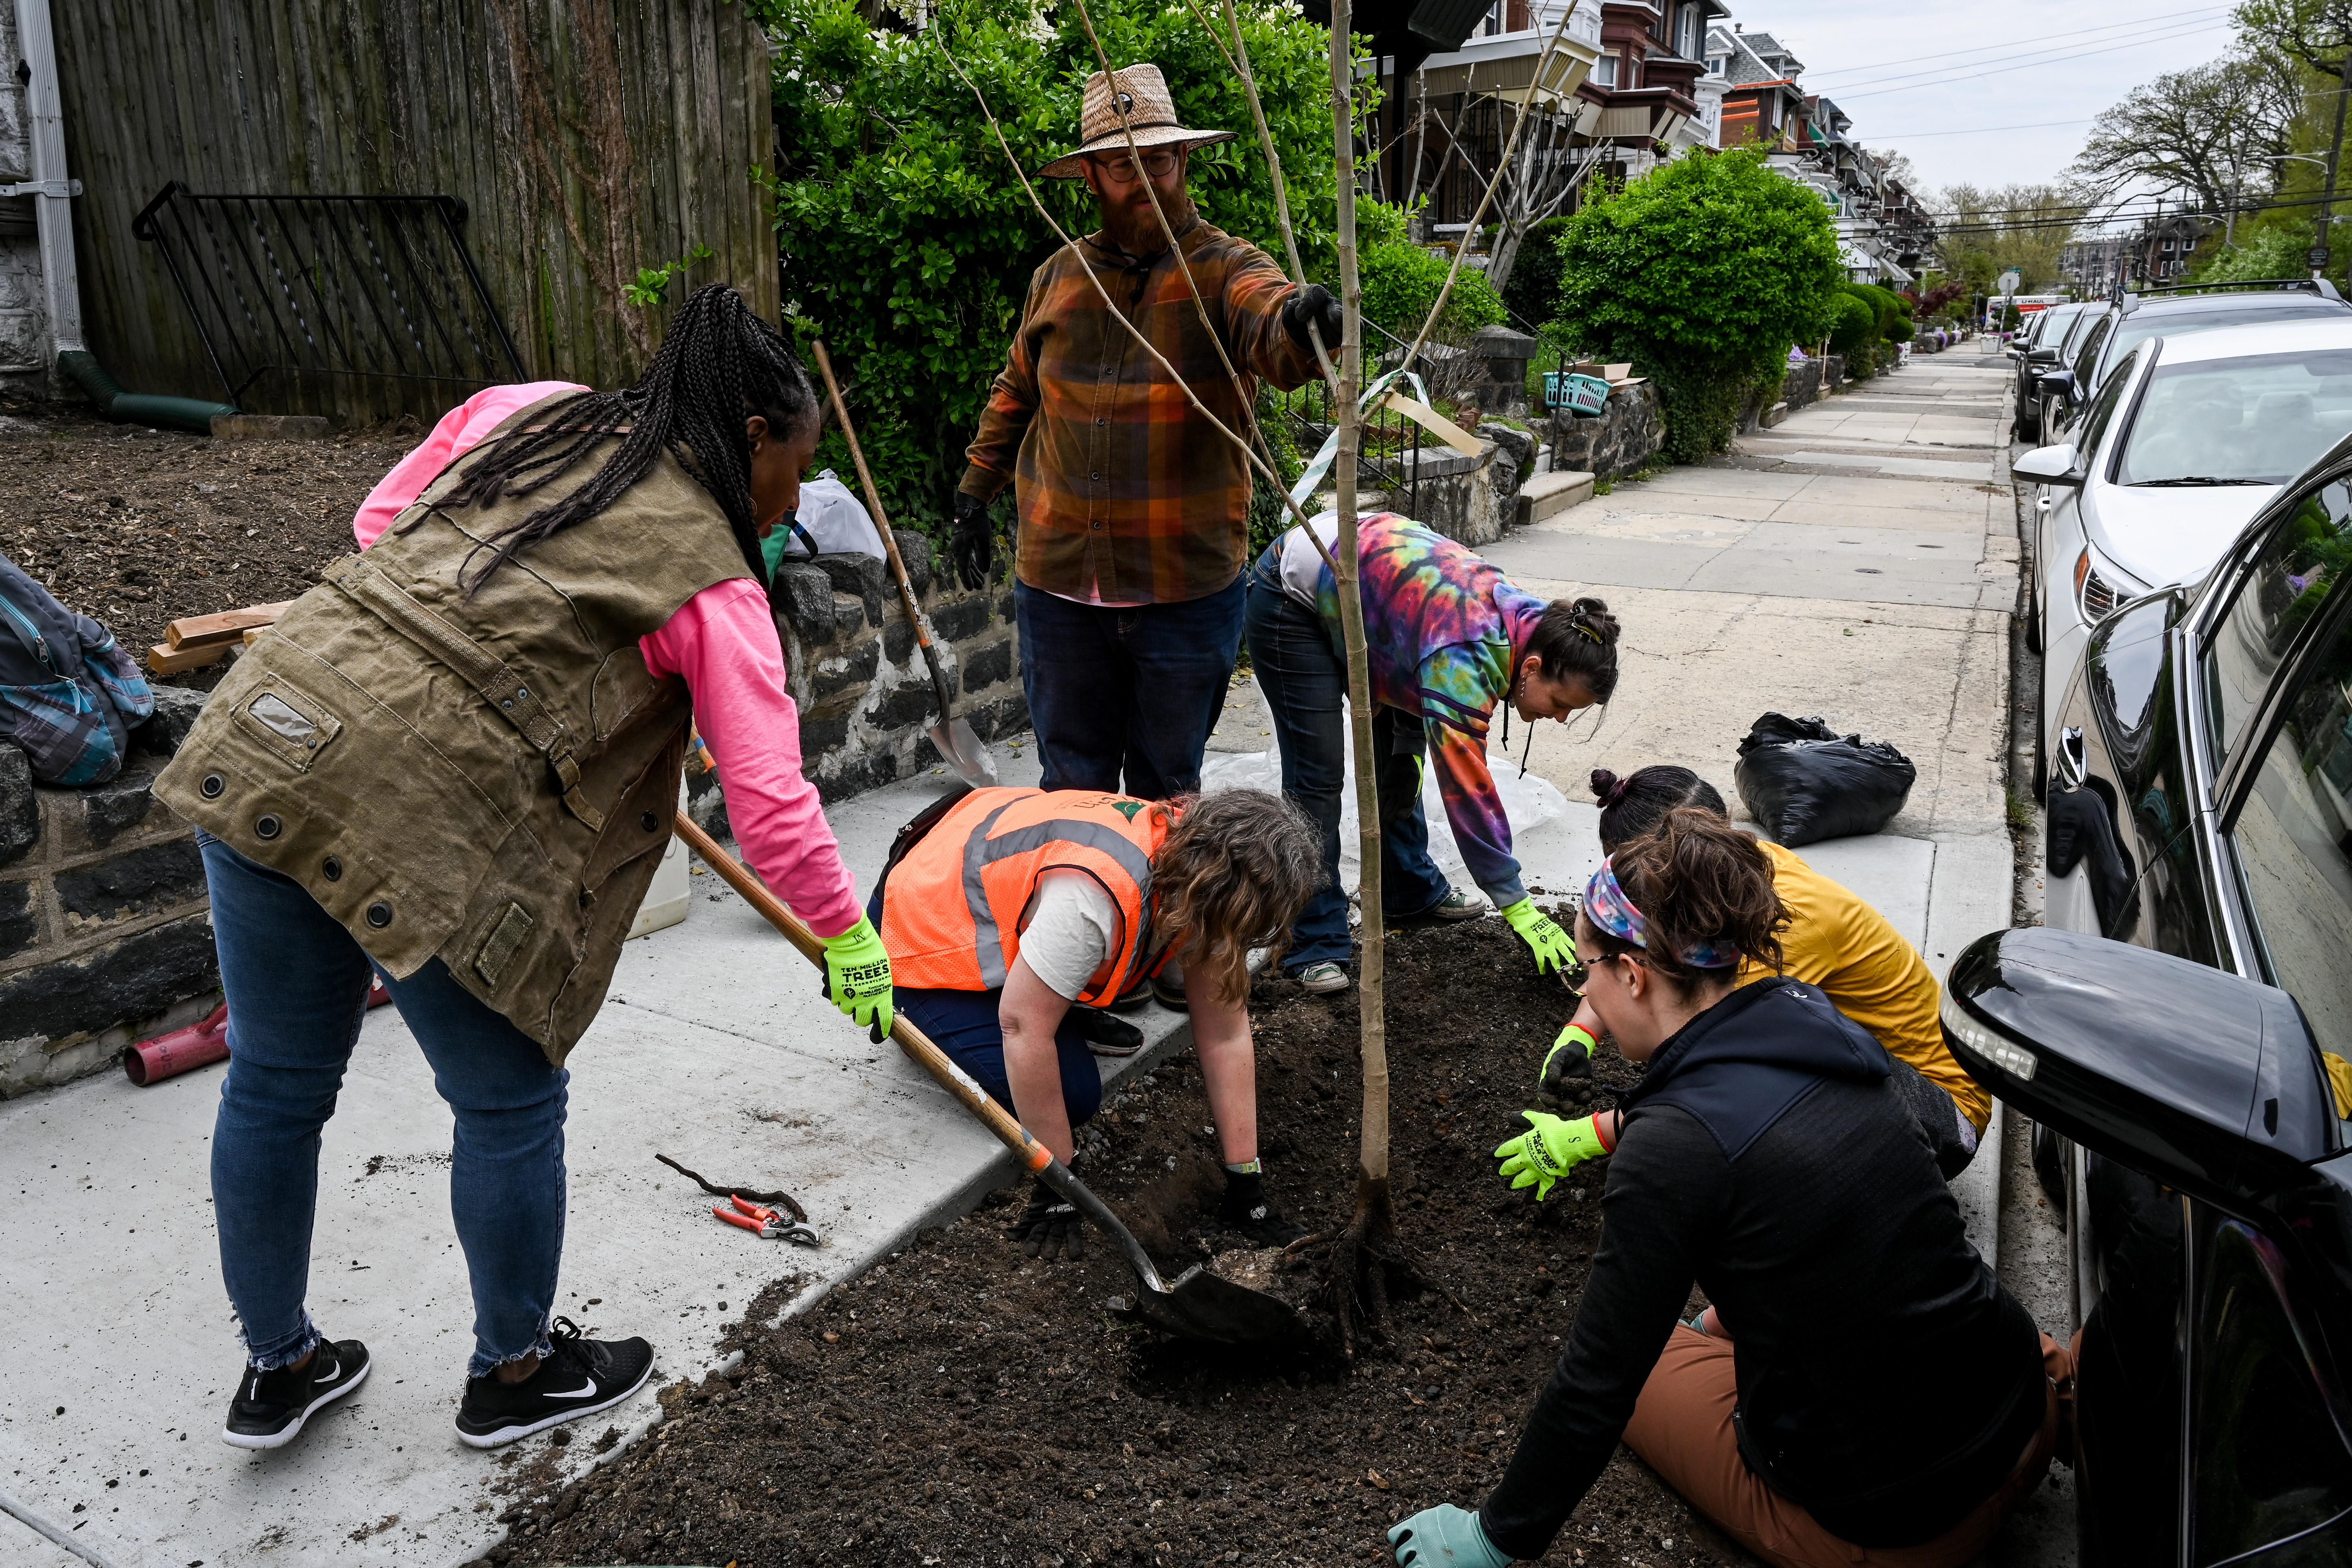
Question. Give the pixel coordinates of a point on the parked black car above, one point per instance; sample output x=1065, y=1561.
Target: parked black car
x=2037, y=353
x=2200, y=811
x=2127, y=320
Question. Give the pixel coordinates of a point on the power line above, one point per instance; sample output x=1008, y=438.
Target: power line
x=1903, y=84
x=2034, y=38
x=1977, y=131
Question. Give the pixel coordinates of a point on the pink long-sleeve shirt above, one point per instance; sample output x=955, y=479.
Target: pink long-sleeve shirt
x=723, y=644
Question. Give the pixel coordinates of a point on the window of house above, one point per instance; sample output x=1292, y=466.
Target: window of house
x=1604, y=71
x=1687, y=40
x=1717, y=64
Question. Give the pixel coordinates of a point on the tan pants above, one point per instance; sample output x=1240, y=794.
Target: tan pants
x=1681, y=1427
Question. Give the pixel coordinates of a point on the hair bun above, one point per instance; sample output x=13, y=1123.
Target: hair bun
x=1608, y=788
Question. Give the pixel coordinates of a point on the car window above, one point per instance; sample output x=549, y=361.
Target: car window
x=2293, y=576
x=2075, y=331
x=2142, y=325
x=2290, y=839
x=2102, y=412
x=2269, y=1461
x=2087, y=359
x=2255, y=419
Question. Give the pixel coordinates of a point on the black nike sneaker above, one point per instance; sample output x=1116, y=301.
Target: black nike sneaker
x=270, y=1407
x=579, y=1377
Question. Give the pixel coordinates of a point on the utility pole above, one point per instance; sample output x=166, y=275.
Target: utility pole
x=2334, y=147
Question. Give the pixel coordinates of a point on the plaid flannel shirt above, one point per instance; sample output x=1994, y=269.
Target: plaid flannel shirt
x=1125, y=493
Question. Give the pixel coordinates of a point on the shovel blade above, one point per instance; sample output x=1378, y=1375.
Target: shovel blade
x=1206, y=1306
x=964, y=753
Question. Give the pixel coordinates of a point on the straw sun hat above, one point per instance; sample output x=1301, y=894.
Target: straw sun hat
x=1150, y=115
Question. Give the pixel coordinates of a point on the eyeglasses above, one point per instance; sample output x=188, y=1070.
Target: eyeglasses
x=1118, y=166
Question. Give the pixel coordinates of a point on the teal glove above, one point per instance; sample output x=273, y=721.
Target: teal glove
x=1549, y=1151
x=1445, y=1537
x=1554, y=948
x=857, y=977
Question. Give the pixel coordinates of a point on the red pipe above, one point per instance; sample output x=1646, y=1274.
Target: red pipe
x=198, y=1045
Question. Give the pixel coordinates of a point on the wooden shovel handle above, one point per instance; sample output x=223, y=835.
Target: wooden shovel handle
x=874, y=500
x=1035, y=1155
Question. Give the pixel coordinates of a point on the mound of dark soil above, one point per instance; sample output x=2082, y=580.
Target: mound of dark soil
x=962, y=1405
x=136, y=527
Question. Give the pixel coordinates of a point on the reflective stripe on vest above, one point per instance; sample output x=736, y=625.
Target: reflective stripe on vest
x=981, y=851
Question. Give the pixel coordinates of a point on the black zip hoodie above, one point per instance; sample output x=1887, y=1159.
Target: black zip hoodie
x=1887, y=1382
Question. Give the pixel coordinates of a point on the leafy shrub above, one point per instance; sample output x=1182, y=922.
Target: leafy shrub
x=1702, y=272
x=1533, y=291
x=1401, y=283
x=1852, y=323
x=908, y=241
x=1899, y=330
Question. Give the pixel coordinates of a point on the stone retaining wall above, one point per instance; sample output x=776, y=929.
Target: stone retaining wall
x=105, y=933
x=1620, y=440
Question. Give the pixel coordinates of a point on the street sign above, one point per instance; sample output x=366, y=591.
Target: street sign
x=2010, y=280
x=2317, y=258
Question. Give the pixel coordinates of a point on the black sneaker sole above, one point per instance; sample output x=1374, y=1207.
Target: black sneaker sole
x=293, y=1429
x=515, y=1431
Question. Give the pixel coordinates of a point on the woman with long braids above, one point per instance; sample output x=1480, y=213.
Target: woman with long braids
x=1451, y=639
x=453, y=765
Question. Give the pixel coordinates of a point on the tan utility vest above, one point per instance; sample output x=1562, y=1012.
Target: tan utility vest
x=488, y=781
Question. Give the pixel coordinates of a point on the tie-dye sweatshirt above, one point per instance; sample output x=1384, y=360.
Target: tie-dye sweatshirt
x=1443, y=628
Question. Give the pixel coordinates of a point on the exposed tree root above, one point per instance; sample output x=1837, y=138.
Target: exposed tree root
x=1368, y=1261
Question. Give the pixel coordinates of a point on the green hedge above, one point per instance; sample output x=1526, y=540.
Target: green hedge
x=1401, y=283
x=1853, y=324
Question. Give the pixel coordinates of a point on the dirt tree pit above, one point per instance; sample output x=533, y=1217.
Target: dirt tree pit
x=962, y=1405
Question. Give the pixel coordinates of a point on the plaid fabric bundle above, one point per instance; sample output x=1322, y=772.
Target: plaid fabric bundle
x=69, y=694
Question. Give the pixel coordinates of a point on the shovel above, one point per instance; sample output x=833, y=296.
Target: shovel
x=961, y=750
x=1197, y=1306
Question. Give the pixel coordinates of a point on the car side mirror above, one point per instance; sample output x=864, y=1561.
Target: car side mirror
x=2054, y=383
x=2050, y=466
x=2200, y=1079
x=2041, y=356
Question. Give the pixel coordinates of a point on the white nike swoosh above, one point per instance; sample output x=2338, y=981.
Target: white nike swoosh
x=587, y=1388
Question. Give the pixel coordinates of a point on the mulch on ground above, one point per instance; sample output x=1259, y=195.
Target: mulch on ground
x=135, y=527
x=962, y=1405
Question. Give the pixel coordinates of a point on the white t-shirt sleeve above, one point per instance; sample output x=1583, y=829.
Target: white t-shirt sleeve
x=1302, y=567
x=1068, y=930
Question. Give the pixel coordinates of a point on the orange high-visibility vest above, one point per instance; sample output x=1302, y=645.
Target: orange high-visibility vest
x=951, y=909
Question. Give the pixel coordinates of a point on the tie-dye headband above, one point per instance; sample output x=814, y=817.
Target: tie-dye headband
x=1608, y=908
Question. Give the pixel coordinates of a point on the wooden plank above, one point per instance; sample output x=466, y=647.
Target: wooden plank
x=205, y=631
x=166, y=660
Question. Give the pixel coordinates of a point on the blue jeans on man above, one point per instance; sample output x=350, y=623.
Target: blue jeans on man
x=1123, y=696
x=297, y=984
x=1305, y=682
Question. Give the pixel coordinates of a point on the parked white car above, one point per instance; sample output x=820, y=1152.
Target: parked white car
x=2186, y=442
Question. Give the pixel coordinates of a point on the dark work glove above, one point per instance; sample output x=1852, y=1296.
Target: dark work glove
x=974, y=542
x=1567, y=1084
x=1314, y=306
x=1050, y=1227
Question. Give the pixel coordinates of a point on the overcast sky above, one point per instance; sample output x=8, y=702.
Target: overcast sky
x=1979, y=107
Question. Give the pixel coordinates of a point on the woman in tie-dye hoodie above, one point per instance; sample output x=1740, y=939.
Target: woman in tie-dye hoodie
x=1450, y=637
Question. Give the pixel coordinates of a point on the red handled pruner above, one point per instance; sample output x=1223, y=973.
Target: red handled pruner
x=767, y=1223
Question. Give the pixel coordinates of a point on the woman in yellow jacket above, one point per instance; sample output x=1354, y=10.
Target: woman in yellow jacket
x=1833, y=940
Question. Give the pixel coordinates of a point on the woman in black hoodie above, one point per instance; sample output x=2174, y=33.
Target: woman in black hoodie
x=1868, y=1394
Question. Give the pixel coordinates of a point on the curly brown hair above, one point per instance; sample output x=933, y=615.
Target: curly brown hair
x=1233, y=875
x=1696, y=879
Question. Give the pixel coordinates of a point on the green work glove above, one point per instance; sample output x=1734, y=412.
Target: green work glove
x=1445, y=1537
x=857, y=977
x=1553, y=948
x=1565, y=1079
x=1549, y=1150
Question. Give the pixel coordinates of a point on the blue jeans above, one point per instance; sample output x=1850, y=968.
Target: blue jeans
x=963, y=1023
x=1134, y=690
x=1305, y=682
x=297, y=984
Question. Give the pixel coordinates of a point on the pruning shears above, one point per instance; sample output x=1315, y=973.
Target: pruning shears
x=767, y=1223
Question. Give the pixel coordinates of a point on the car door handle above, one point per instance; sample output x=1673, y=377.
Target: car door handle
x=2073, y=767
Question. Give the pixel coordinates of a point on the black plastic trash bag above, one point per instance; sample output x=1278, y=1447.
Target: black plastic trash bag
x=1804, y=783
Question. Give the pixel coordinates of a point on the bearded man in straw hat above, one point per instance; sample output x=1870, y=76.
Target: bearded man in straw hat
x=1133, y=508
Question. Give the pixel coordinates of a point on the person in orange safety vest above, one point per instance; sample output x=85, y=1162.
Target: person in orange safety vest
x=1015, y=917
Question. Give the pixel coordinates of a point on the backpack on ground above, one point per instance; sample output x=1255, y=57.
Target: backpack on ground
x=69, y=694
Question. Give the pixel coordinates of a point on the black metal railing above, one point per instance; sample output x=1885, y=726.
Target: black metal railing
x=332, y=285
x=1390, y=459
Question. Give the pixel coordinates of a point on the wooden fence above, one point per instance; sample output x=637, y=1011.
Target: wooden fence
x=587, y=139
